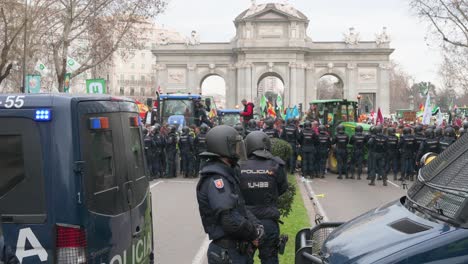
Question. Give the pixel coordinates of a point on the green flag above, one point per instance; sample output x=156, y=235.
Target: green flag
x=279, y=104
x=263, y=103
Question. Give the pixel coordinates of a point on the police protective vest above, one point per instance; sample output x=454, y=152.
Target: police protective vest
x=309, y=140
x=359, y=141
x=149, y=145
x=380, y=144
x=271, y=132
x=341, y=141
x=201, y=143
x=324, y=142
x=259, y=186
x=419, y=139
x=392, y=144
x=291, y=134
x=160, y=143
x=171, y=142
x=407, y=144
x=445, y=142
x=219, y=175
x=185, y=143
x=431, y=145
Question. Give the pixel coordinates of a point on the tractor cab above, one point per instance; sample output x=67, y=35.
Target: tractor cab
x=229, y=117
x=180, y=109
x=333, y=112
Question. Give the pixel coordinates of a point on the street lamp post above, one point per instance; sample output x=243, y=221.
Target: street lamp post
x=23, y=86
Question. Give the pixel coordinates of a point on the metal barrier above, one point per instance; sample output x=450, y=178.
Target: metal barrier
x=310, y=240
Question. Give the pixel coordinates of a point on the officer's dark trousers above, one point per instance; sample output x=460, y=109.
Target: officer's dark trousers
x=379, y=166
x=392, y=162
x=186, y=162
x=323, y=156
x=216, y=252
x=171, y=163
x=370, y=163
x=407, y=168
x=308, y=163
x=293, y=158
x=157, y=168
x=342, y=159
x=268, y=248
x=356, y=161
x=149, y=162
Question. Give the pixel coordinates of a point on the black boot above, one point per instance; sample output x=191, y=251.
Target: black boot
x=372, y=183
x=359, y=177
x=385, y=182
x=394, y=177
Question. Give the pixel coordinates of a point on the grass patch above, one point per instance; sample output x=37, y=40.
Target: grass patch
x=297, y=220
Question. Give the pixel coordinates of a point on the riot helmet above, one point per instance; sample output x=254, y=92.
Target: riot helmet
x=172, y=129
x=239, y=128
x=307, y=124
x=157, y=128
x=450, y=132
x=438, y=132
x=340, y=129
x=204, y=129
x=269, y=123
x=252, y=123
x=429, y=133
x=391, y=131
x=358, y=129
x=372, y=130
x=225, y=141
x=322, y=129
x=258, y=143
x=418, y=129
x=378, y=129
x=465, y=124
x=185, y=130
x=406, y=131
x=290, y=122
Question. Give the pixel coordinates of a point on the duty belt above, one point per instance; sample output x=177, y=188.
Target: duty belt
x=227, y=243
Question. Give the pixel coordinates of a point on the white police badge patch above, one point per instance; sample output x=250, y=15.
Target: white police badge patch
x=219, y=184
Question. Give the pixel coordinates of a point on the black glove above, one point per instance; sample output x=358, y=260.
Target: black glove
x=260, y=232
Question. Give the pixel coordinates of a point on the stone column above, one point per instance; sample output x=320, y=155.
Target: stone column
x=161, y=77
x=350, y=91
x=310, y=87
x=383, y=91
x=248, y=82
x=192, y=85
x=231, y=94
x=301, y=85
x=292, y=84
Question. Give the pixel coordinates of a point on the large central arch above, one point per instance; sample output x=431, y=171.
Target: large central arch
x=271, y=40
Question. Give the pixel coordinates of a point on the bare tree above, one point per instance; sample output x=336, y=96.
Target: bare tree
x=92, y=30
x=449, y=19
x=400, y=88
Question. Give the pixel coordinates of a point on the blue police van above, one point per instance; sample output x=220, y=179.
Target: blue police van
x=73, y=185
x=428, y=225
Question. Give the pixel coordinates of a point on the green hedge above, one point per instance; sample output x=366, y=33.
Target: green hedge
x=283, y=150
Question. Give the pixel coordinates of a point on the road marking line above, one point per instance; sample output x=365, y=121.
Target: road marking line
x=156, y=183
x=321, y=211
x=201, y=253
x=394, y=184
x=182, y=181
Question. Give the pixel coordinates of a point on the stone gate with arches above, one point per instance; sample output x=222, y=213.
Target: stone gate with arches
x=271, y=40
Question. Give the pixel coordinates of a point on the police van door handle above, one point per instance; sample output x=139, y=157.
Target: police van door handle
x=137, y=232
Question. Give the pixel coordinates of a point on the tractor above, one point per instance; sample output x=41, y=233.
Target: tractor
x=332, y=113
x=230, y=117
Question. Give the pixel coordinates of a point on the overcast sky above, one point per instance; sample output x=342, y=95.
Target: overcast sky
x=329, y=19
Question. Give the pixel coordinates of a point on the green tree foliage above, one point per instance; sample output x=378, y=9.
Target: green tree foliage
x=283, y=150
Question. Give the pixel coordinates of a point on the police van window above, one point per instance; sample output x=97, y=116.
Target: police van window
x=22, y=196
x=102, y=170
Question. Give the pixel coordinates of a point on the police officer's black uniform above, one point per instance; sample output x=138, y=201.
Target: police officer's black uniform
x=309, y=142
x=393, y=153
x=149, y=150
x=263, y=179
x=379, y=146
x=324, y=145
x=291, y=135
x=419, y=138
x=407, y=151
x=224, y=216
x=159, y=145
x=171, y=153
x=358, y=141
x=341, y=141
x=448, y=139
x=430, y=144
x=270, y=130
x=186, y=152
x=200, y=147
x=370, y=153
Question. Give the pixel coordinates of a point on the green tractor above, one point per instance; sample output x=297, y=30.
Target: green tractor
x=332, y=113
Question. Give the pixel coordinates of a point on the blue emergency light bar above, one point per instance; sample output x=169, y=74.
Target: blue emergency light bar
x=43, y=115
x=98, y=123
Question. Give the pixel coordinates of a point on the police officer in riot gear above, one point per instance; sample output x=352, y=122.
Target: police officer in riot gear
x=240, y=129
x=309, y=141
x=171, y=152
x=149, y=150
x=324, y=144
x=229, y=224
x=159, y=145
x=370, y=152
x=263, y=179
x=358, y=141
x=463, y=130
x=430, y=144
x=186, y=152
x=200, y=147
x=291, y=135
x=419, y=137
x=407, y=150
x=270, y=130
x=393, y=153
x=251, y=127
x=341, y=141
x=438, y=133
x=448, y=139
x=379, y=146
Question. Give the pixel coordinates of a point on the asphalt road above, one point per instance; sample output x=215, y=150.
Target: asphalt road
x=343, y=200
x=179, y=235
